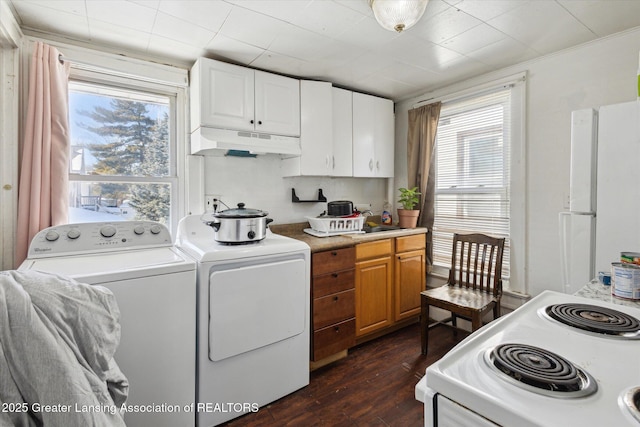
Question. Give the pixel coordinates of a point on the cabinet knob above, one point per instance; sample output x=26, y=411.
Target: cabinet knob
x=259, y=122
x=335, y=298
x=337, y=329
x=334, y=253
x=251, y=121
x=334, y=275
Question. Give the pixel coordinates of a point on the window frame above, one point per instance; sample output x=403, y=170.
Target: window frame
x=517, y=173
x=177, y=111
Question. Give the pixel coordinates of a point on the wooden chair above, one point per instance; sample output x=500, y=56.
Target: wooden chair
x=474, y=286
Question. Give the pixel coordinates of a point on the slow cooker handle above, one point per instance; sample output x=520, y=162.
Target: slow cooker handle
x=214, y=224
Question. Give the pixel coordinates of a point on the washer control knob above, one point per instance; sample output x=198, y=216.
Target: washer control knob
x=108, y=231
x=52, y=236
x=73, y=234
x=138, y=229
x=155, y=229
x=251, y=234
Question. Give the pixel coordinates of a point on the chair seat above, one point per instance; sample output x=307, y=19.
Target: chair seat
x=474, y=286
x=460, y=297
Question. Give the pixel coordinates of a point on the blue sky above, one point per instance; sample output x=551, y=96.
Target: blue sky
x=83, y=101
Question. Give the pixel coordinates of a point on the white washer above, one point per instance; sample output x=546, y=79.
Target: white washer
x=253, y=320
x=154, y=285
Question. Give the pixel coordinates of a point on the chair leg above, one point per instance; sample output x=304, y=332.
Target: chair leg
x=454, y=323
x=476, y=321
x=496, y=311
x=424, y=325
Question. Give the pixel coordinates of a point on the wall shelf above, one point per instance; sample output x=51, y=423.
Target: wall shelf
x=296, y=199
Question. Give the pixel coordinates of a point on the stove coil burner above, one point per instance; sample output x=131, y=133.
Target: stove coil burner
x=631, y=401
x=540, y=371
x=592, y=318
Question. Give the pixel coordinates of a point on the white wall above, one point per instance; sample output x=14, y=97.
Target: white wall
x=259, y=183
x=597, y=73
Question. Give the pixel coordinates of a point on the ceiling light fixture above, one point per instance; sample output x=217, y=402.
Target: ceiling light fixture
x=398, y=15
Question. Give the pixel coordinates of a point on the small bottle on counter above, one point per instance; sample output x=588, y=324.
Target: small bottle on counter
x=386, y=214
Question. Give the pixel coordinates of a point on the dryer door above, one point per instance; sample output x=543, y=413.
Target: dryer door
x=252, y=306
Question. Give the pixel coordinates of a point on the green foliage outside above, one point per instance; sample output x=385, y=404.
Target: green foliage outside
x=137, y=145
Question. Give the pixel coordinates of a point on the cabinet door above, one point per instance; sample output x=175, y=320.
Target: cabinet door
x=410, y=280
x=224, y=95
x=363, y=135
x=373, y=136
x=342, y=132
x=277, y=104
x=316, y=128
x=373, y=295
x=384, y=138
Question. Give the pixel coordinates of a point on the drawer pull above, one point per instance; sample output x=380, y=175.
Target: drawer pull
x=334, y=253
x=335, y=298
x=334, y=275
x=337, y=329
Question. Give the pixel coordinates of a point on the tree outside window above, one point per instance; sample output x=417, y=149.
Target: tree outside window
x=120, y=159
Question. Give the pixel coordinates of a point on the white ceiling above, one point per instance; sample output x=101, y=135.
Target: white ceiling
x=334, y=40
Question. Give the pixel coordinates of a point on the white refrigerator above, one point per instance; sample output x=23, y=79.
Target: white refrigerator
x=604, y=193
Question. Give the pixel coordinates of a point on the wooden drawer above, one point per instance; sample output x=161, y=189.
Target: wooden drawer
x=333, y=308
x=333, y=282
x=374, y=249
x=330, y=261
x=410, y=243
x=334, y=339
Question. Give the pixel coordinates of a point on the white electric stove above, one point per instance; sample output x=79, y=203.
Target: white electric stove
x=559, y=360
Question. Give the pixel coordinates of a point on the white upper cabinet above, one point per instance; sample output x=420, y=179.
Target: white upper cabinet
x=342, y=157
x=232, y=97
x=373, y=136
x=315, y=131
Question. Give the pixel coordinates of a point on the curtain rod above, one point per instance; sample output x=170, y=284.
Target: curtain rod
x=64, y=59
x=509, y=81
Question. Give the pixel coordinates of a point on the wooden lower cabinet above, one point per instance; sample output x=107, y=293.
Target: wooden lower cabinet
x=373, y=294
x=410, y=280
x=390, y=274
x=365, y=291
x=410, y=275
x=333, y=302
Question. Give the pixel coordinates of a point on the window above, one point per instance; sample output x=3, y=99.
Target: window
x=473, y=191
x=123, y=153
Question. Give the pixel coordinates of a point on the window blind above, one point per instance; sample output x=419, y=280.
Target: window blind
x=472, y=192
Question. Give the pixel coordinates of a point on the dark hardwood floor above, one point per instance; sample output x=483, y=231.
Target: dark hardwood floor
x=373, y=386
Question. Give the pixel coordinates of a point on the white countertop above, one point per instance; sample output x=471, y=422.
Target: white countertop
x=596, y=290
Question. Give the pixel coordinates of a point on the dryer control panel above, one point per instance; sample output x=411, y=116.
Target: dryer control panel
x=93, y=237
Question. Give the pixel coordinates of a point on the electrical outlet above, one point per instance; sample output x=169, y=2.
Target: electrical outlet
x=210, y=201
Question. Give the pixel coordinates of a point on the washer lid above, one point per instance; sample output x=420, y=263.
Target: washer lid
x=109, y=267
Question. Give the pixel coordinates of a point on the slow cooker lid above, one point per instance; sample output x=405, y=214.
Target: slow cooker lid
x=240, y=212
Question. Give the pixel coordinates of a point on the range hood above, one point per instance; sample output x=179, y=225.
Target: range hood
x=216, y=142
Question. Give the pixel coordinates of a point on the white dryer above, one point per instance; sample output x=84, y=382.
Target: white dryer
x=155, y=287
x=253, y=320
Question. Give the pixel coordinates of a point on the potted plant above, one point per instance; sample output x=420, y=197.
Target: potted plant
x=408, y=215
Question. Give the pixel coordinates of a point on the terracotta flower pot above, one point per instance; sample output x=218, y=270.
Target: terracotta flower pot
x=408, y=218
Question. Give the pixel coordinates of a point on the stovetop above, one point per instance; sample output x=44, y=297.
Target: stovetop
x=610, y=364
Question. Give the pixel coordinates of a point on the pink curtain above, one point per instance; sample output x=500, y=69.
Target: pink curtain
x=43, y=196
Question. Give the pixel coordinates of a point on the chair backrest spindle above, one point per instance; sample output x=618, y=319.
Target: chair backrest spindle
x=477, y=262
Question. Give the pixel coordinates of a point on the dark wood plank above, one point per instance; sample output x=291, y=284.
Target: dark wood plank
x=373, y=386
